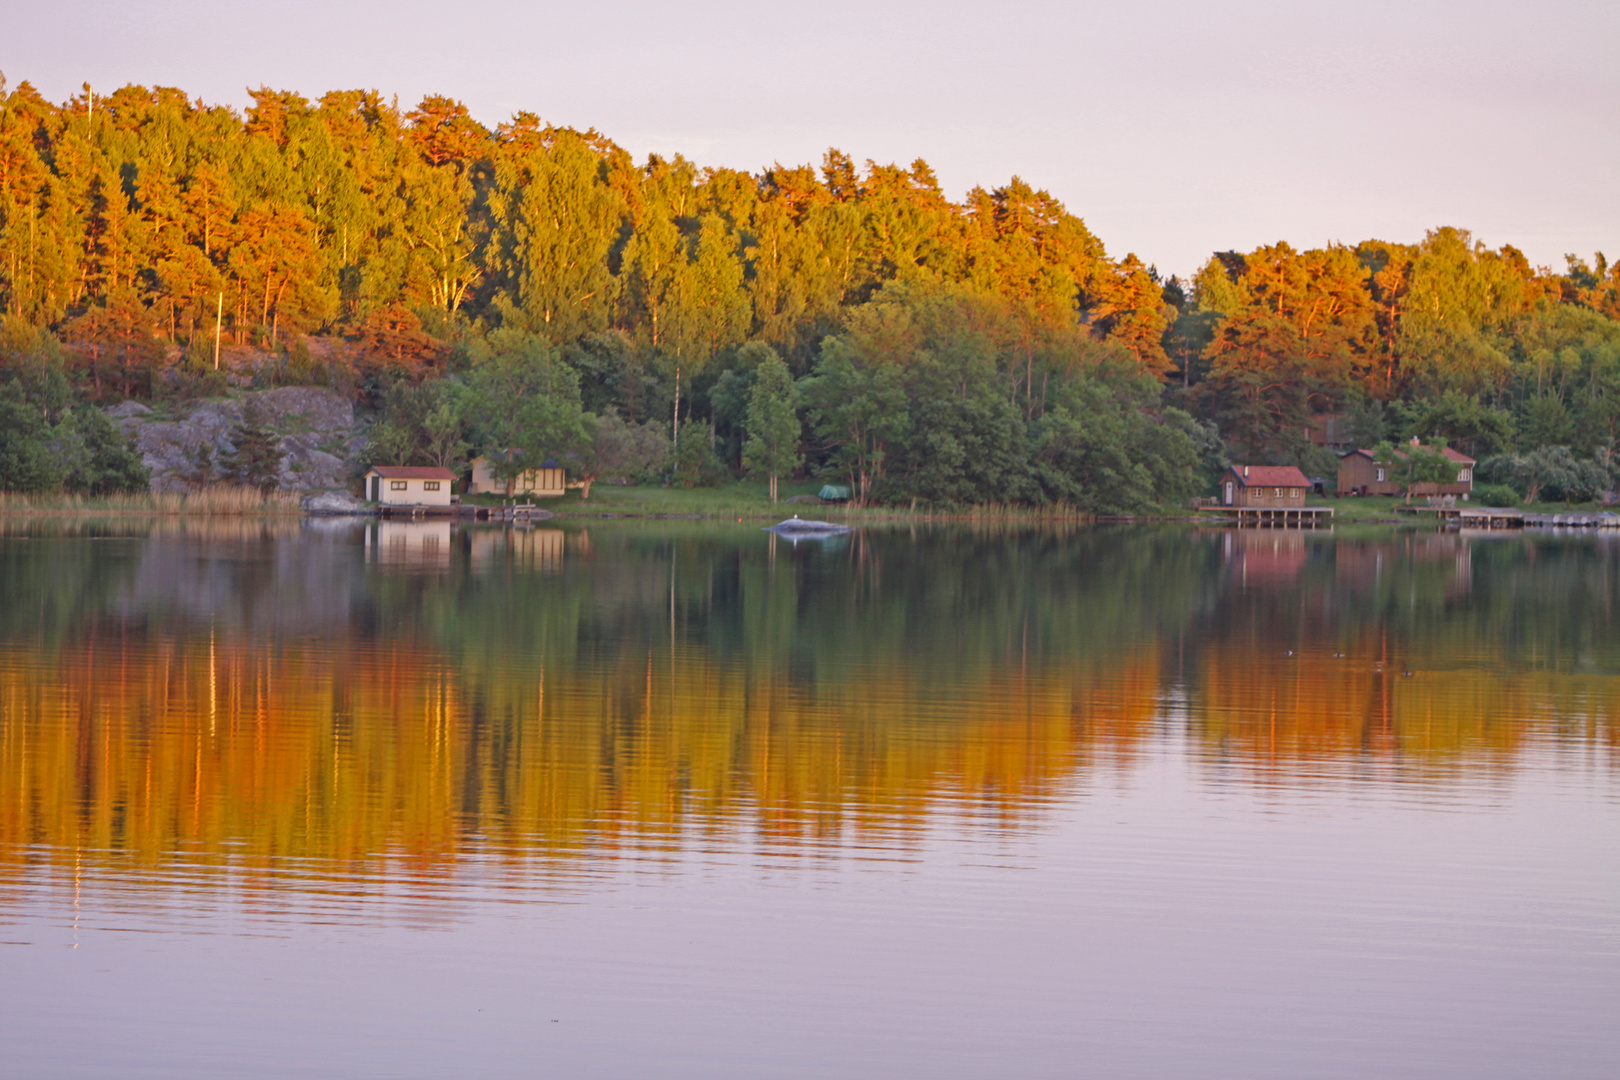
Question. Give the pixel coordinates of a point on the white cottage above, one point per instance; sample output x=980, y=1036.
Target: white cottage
x=409, y=485
x=547, y=482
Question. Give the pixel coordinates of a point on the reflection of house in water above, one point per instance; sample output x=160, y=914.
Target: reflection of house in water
x=412, y=545
x=1264, y=556
x=524, y=549
x=1359, y=566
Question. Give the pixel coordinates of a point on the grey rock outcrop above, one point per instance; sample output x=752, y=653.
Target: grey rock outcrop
x=319, y=443
x=333, y=504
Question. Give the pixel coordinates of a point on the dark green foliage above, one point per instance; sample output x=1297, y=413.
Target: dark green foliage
x=522, y=404
x=420, y=425
x=83, y=452
x=27, y=462
x=619, y=450
x=695, y=464
x=1461, y=420
x=256, y=458
x=1495, y=495
x=96, y=457
x=1104, y=451
x=913, y=403
x=1550, y=474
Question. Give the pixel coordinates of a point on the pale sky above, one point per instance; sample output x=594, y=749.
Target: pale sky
x=1174, y=129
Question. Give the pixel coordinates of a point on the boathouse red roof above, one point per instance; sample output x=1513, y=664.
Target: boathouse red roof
x=412, y=472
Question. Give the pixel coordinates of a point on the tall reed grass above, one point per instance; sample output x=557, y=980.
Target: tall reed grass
x=217, y=500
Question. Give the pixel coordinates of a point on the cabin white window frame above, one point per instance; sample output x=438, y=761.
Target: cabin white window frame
x=399, y=485
x=1378, y=476
x=430, y=485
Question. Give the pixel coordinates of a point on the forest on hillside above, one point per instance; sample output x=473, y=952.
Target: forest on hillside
x=532, y=291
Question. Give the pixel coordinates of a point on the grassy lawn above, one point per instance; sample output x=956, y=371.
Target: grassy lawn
x=1387, y=507
x=745, y=499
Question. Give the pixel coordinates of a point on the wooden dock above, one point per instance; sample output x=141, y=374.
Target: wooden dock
x=1301, y=517
x=1470, y=517
x=509, y=512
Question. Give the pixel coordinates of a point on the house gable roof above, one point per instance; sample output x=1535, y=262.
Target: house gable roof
x=1451, y=455
x=1270, y=476
x=411, y=472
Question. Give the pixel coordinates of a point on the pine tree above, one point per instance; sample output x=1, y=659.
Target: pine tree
x=256, y=461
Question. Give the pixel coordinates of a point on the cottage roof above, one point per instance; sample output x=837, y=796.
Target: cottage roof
x=1271, y=476
x=412, y=472
x=1451, y=455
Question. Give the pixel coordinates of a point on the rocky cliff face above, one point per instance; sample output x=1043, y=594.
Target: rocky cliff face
x=185, y=445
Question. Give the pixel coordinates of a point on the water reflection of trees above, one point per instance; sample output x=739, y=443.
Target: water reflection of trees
x=258, y=695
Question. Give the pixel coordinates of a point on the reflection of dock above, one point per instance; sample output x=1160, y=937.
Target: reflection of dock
x=510, y=512
x=1471, y=517
x=413, y=545
x=1302, y=517
x=524, y=549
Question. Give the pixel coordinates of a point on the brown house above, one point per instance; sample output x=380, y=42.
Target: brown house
x=1359, y=474
x=1268, y=487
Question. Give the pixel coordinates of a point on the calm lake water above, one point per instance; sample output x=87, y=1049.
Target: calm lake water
x=681, y=800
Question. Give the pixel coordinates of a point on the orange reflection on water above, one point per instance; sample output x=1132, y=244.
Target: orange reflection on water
x=345, y=752
x=249, y=753
x=1274, y=709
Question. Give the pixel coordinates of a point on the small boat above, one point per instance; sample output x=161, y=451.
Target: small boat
x=797, y=527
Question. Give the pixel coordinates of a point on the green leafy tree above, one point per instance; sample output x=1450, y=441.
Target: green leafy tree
x=772, y=447
x=1103, y=448
x=1463, y=420
x=27, y=462
x=1550, y=473
x=620, y=450
x=522, y=405
x=694, y=462
x=96, y=457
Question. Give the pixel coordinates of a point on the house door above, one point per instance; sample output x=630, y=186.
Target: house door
x=1229, y=493
x=376, y=489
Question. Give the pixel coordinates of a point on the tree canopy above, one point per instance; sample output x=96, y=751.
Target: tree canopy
x=502, y=289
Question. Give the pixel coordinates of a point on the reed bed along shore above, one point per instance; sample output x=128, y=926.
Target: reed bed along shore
x=217, y=500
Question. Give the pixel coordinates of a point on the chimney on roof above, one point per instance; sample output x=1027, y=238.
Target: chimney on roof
x=1245, y=472
x=1415, y=441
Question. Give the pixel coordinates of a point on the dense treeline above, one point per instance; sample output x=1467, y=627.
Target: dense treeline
x=1443, y=339
x=936, y=350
